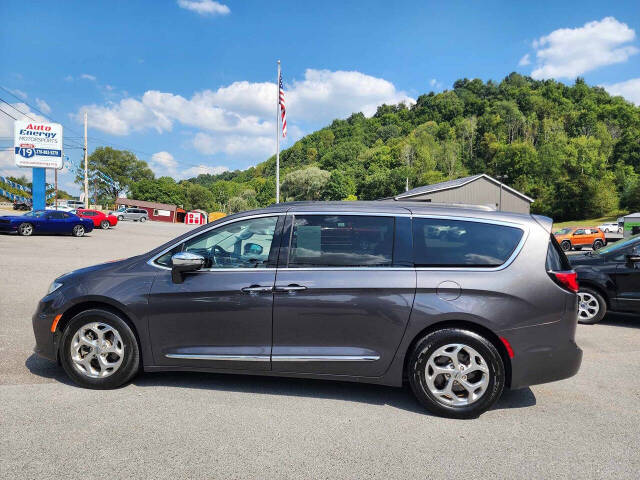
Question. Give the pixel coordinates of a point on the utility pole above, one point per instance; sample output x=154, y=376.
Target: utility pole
x=56, y=185
x=278, y=135
x=86, y=168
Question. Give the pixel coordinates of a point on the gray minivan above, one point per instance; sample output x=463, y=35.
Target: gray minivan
x=458, y=302
x=135, y=214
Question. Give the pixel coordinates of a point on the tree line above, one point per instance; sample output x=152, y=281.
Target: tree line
x=574, y=149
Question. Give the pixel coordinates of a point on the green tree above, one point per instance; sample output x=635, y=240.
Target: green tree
x=306, y=184
x=121, y=166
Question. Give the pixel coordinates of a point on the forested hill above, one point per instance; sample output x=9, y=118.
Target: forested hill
x=575, y=149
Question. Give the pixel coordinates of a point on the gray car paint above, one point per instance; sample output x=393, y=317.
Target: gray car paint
x=376, y=314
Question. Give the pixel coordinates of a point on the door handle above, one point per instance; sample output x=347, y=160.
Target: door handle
x=257, y=289
x=291, y=288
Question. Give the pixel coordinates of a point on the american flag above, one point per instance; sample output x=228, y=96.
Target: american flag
x=283, y=111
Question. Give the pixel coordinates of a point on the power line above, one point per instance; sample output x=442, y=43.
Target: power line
x=8, y=114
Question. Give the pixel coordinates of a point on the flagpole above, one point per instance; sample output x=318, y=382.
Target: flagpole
x=278, y=135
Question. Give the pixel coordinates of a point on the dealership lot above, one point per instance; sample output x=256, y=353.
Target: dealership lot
x=221, y=426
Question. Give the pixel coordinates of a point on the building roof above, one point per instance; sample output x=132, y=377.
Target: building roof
x=458, y=182
x=144, y=203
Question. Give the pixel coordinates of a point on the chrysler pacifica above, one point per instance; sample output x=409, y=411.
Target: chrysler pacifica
x=459, y=302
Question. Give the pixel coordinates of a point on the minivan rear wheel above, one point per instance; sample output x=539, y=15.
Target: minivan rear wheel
x=456, y=373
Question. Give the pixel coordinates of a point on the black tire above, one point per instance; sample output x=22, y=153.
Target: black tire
x=130, y=364
x=565, y=245
x=598, y=244
x=120, y=218
x=78, y=231
x=417, y=367
x=104, y=224
x=25, y=229
x=143, y=219
x=602, y=306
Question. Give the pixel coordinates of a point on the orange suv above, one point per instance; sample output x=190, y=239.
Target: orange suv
x=578, y=237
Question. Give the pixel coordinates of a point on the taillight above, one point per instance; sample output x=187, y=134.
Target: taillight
x=568, y=280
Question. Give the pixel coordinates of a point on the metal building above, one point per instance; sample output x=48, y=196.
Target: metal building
x=474, y=190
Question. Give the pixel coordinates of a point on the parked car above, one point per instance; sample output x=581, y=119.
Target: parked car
x=17, y=205
x=610, y=228
x=45, y=222
x=99, y=219
x=462, y=302
x=609, y=279
x=73, y=204
x=580, y=237
x=135, y=214
x=62, y=208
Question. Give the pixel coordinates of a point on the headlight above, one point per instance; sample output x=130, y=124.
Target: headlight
x=53, y=287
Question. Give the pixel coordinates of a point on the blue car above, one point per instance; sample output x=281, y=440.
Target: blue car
x=46, y=222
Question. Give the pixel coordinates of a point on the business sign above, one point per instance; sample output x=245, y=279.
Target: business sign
x=38, y=144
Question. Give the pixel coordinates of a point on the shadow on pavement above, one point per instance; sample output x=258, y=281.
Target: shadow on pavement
x=621, y=320
x=46, y=369
x=401, y=398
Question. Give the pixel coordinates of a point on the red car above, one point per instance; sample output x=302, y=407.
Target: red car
x=99, y=219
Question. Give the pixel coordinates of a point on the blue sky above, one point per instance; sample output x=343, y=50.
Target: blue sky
x=189, y=85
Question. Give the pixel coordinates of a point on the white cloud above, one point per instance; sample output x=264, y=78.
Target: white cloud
x=233, y=144
x=164, y=165
x=109, y=87
x=434, y=83
x=569, y=52
x=86, y=76
x=18, y=93
x=204, y=7
x=43, y=106
x=238, y=119
x=629, y=89
x=68, y=78
x=526, y=60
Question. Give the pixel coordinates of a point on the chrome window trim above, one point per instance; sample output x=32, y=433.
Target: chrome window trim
x=198, y=356
x=508, y=261
x=152, y=260
x=325, y=358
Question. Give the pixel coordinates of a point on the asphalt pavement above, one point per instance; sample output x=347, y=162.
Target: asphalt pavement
x=194, y=425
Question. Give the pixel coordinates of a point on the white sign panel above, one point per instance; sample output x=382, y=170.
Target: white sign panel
x=38, y=144
x=163, y=213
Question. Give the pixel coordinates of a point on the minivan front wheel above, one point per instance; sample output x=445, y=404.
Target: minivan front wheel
x=456, y=373
x=98, y=350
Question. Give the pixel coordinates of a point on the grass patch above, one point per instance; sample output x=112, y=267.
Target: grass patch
x=590, y=222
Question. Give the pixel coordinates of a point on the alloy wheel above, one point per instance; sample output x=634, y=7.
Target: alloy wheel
x=457, y=375
x=26, y=229
x=78, y=230
x=588, y=306
x=97, y=350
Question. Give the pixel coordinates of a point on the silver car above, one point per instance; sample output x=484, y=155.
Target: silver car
x=135, y=214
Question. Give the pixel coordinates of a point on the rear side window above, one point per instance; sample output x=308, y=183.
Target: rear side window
x=556, y=259
x=341, y=241
x=439, y=242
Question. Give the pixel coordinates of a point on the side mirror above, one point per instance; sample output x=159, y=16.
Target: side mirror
x=185, y=262
x=632, y=258
x=252, y=249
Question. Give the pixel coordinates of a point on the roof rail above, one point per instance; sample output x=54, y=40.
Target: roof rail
x=469, y=206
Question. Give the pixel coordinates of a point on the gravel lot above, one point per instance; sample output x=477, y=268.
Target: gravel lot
x=222, y=426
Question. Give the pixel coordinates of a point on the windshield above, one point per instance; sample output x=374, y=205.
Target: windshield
x=35, y=213
x=619, y=245
x=564, y=231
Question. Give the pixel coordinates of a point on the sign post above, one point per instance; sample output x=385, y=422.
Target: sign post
x=39, y=146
